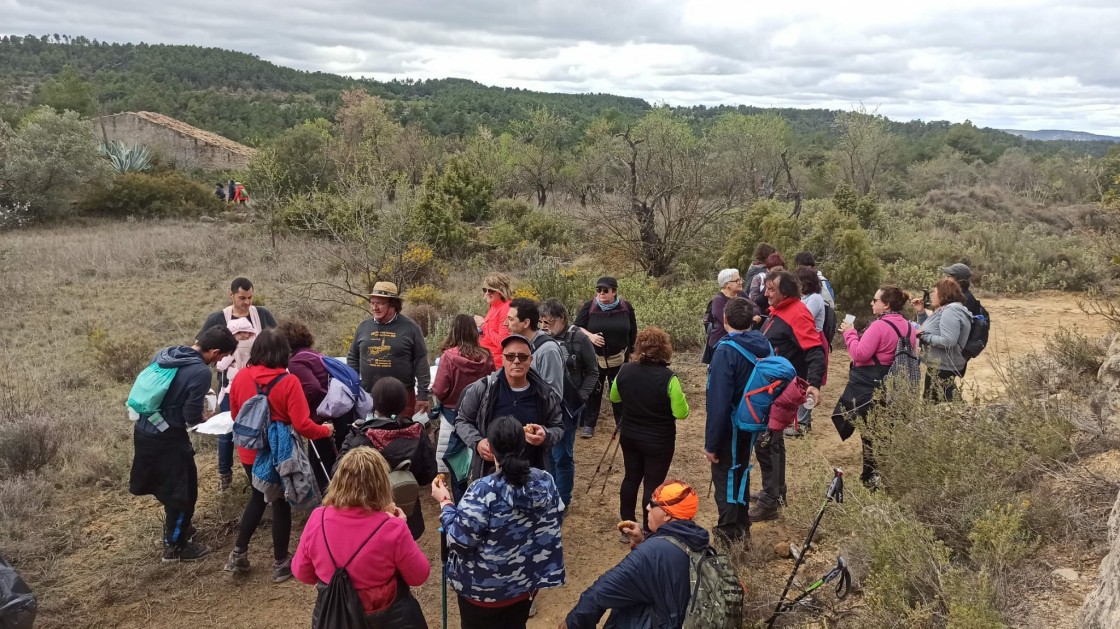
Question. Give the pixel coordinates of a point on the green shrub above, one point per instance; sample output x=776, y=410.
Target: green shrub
x=123, y=357
x=552, y=281
x=1000, y=542
x=677, y=310
x=150, y=196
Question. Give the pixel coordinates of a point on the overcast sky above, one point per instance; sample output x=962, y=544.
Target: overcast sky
x=1029, y=64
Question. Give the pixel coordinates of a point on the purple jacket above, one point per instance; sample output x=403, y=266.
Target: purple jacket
x=307, y=365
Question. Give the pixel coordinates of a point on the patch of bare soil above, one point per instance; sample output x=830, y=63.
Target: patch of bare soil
x=113, y=576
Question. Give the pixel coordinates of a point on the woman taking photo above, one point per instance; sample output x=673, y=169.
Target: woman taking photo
x=609, y=322
x=360, y=529
x=493, y=328
x=267, y=372
x=872, y=355
x=503, y=538
x=652, y=401
x=945, y=333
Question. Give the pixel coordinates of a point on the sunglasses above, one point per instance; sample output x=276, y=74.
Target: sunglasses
x=668, y=503
x=487, y=291
x=603, y=289
x=516, y=358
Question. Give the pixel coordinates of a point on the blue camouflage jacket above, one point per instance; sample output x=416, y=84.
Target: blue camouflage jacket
x=504, y=541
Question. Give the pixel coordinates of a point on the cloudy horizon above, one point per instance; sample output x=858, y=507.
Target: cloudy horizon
x=1018, y=64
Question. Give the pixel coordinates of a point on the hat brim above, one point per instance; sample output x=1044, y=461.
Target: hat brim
x=385, y=295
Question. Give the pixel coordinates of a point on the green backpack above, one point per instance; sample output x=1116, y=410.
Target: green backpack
x=146, y=396
x=717, y=593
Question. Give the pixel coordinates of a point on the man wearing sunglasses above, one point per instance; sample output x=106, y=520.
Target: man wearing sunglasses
x=518, y=391
x=650, y=587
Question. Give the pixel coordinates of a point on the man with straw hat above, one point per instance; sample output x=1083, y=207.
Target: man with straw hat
x=389, y=344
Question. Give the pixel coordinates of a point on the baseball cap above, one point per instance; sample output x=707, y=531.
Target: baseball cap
x=676, y=498
x=957, y=271
x=607, y=281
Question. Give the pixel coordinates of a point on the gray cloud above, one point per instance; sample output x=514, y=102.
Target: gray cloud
x=1008, y=63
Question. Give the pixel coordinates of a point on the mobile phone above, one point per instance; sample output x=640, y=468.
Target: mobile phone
x=850, y=319
x=925, y=299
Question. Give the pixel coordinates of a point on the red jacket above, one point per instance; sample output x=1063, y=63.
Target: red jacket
x=494, y=329
x=455, y=372
x=373, y=570
x=286, y=401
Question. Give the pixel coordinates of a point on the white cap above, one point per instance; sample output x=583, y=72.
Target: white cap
x=727, y=275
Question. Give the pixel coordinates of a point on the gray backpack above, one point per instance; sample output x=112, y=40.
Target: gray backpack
x=250, y=427
x=717, y=594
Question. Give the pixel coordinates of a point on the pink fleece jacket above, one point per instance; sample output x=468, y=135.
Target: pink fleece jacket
x=374, y=568
x=878, y=340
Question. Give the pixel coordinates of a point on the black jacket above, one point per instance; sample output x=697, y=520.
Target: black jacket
x=619, y=327
x=476, y=409
x=182, y=404
x=398, y=441
x=649, y=588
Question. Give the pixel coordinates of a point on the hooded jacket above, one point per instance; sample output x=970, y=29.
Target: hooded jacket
x=504, y=541
x=455, y=373
x=397, y=440
x=182, y=404
x=649, y=588
x=727, y=379
x=476, y=409
x=945, y=332
x=286, y=402
x=792, y=331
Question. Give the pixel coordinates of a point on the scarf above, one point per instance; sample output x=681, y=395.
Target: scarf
x=611, y=306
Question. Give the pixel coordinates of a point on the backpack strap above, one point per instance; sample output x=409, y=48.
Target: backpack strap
x=875, y=356
x=268, y=388
x=323, y=528
x=733, y=496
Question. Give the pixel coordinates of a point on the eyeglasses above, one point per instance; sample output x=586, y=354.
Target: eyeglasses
x=546, y=322
x=516, y=358
x=736, y=280
x=487, y=291
x=668, y=503
x=876, y=299
x=603, y=289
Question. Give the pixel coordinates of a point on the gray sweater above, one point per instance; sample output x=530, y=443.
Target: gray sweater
x=395, y=349
x=945, y=332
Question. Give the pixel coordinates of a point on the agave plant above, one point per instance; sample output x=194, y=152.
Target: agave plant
x=127, y=157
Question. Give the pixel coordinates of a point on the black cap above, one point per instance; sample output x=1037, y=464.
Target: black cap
x=516, y=337
x=608, y=282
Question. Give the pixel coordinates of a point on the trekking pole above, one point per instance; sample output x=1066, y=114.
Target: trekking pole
x=610, y=467
x=835, y=492
x=842, y=588
x=599, y=467
x=443, y=552
x=320, y=459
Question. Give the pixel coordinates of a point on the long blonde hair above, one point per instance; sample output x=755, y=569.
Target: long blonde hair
x=361, y=480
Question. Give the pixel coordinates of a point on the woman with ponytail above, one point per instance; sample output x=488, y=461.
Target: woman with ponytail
x=503, y=538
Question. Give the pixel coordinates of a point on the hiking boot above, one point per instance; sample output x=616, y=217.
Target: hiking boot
x=756, y=496
x=282, y=570
x=793, y=431
x=762, y=512
x=238, y=561
x=189, y=551
x=587, y=432
x=224, y=481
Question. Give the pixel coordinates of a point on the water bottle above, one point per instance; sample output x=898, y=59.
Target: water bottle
x=810, y=402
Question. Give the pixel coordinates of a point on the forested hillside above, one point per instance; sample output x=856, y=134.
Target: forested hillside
x=250, y=100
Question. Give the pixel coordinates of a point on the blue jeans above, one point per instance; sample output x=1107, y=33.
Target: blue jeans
x=564, y=461
x=225, y=444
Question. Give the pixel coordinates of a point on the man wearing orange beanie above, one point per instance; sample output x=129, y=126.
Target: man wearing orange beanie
x=650, y=587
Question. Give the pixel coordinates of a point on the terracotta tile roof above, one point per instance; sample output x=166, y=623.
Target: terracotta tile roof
x=183, y=128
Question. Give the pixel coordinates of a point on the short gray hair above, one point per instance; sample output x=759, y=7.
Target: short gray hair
x=726, y=275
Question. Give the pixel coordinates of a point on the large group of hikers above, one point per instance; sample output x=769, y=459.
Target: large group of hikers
x=512, y=390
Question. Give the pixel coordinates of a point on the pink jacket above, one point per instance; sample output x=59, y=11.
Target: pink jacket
x=374, y=568
x=878, y=340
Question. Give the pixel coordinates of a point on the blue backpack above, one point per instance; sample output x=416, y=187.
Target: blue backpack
x=767, y=381
x=341, y=371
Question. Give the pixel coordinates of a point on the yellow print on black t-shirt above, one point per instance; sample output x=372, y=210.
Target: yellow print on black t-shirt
x=380, y=355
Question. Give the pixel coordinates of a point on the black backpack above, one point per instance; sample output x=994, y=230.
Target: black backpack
x=338, y=605
x=571, y=398
x=977, y=335
x=830, y=323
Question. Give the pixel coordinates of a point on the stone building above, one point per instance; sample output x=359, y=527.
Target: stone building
x=187, y=147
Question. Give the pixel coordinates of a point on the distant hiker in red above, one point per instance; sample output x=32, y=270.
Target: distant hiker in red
x=492, y=328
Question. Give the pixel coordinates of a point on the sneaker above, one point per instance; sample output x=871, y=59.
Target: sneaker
x=587, y=432
x=224, y=481
x=189, y=551
x=763, y=512
x=792, y=431
x=282, y=570
x=238, y=561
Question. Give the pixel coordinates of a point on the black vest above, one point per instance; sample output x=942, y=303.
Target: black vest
x=647, y=412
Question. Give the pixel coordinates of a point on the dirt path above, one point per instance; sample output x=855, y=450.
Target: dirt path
x=117, y=580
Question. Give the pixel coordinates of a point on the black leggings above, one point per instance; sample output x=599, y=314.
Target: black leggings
x=254, y=511
x=647, y=464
